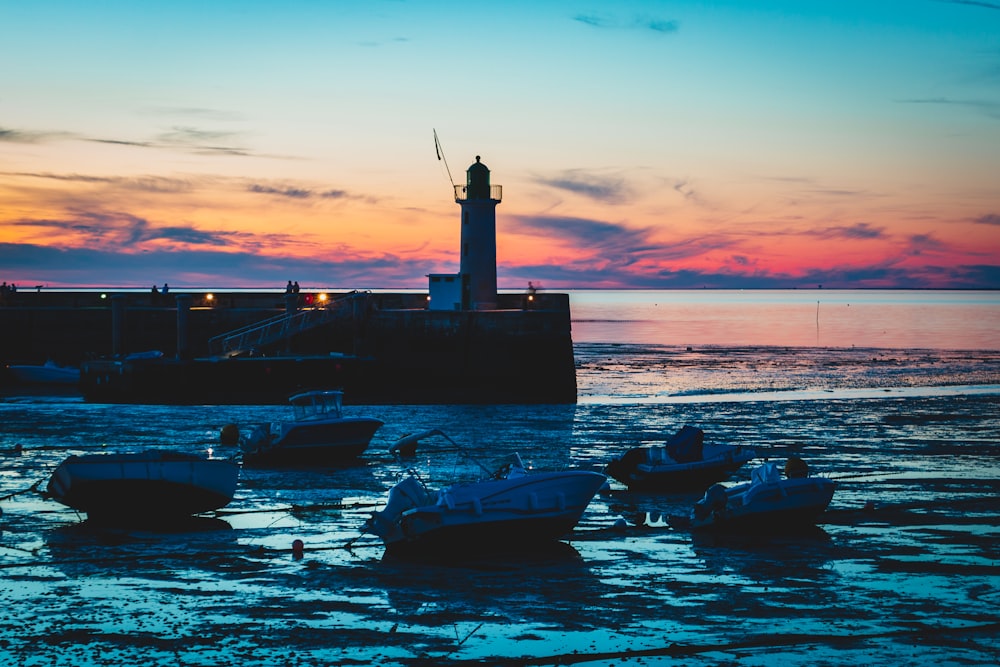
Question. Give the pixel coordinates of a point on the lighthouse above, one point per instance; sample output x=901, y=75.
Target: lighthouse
x=478, y=269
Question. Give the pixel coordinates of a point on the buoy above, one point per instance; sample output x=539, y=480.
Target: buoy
x=230, y=434
x=297, y=548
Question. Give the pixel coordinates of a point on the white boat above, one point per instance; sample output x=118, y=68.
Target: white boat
x=49, y=373
x=683, y=463
x=768, y=503
x=149, y=485
x=508, y=508
x=319, y=434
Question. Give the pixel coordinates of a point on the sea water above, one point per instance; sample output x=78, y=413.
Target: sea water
x=902, y=570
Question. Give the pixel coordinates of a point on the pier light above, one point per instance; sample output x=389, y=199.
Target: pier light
x=104, y=296
x=209, y=297
x=322, y=297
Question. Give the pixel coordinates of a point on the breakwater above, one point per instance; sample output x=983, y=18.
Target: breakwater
x=237, y=347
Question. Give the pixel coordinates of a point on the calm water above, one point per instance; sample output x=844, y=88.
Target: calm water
x=910, y=428
x=895, y=319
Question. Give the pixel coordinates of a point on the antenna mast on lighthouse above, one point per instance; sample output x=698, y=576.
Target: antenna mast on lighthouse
x=440, y=154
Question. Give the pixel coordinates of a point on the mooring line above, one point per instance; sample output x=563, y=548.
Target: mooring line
x=32, y=488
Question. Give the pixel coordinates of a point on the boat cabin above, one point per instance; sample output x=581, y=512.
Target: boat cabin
x=317, y=405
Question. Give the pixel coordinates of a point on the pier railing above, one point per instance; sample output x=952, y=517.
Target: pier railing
x=282, y=327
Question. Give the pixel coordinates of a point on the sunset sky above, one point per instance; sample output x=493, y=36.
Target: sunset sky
x=639, y=144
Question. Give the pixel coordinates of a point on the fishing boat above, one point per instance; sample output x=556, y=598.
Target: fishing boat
x=768, y=503
x=503, y=508
x=319, y=434
x=683, y=463
x=149, y=485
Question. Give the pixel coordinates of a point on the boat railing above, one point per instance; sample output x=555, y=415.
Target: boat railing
x=281, y=327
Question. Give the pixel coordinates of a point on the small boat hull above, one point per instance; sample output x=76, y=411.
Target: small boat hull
x=719, y=462
x=782, y=506
x=148, y=485
x=471, y=518
x=314, y=443
x=319, y=435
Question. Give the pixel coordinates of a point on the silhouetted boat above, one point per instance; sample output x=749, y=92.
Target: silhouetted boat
x=682, y=463
x=151, y=485
x=768, y=503
x=319, y=434
x=506, y=507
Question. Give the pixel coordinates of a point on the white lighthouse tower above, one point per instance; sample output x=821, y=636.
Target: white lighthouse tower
x=478, y=270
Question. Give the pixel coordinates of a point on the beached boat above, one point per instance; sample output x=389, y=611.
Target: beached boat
x=508, y=507
x=319, y=434
x=768, y=503
x=682, y=463
x=49, y=373
x=149, y=485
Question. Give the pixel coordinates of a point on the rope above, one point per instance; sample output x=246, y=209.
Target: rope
x=32, y=488
x=300, y=508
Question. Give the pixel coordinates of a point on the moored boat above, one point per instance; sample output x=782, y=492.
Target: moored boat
x=150, y=485
x=49, y=374
x=506, y=508
x=768, y=503
x=319, y=434
x=683, y=463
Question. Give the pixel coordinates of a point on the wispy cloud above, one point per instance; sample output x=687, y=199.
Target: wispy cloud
x=635, y=23
x=860, y=231
x=989, y=107
x=583, y=232
x=988, y=219
x=160, y=184
x=919, y=244
x=30, y=136
x=203, y=142
x=118, y=231
x=193, y=112
x=292, y=192
x=123, y=142
x=617, y=244
x=209, y=267
x=972, y=3
x=610, y=189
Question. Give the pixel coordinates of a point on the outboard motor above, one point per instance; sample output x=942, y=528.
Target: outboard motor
x=407, y=494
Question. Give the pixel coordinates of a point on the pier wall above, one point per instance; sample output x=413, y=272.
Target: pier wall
x=519, y=352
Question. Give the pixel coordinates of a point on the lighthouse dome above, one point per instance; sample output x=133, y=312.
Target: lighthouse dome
x=478, y=181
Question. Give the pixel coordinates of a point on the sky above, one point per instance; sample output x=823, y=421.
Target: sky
x=726, y=144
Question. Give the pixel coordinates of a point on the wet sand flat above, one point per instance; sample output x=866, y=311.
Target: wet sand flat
x=901, y=570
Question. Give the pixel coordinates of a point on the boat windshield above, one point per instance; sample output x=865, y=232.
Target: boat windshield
x=317, y=404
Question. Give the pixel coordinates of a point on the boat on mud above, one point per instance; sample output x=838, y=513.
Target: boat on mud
x=683, y=463
x=319, y=434
x=152, y=485
x=508, y=508
x=769, y=503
